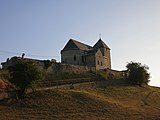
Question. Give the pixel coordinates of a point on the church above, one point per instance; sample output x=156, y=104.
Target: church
x=77, y=53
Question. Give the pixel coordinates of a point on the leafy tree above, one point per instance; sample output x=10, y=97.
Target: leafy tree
x=24, y=74
x=138, y=73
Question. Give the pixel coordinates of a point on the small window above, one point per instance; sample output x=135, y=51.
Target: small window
x=98, y=62
x=83, y=59
x=74, y=58
x=101, y=63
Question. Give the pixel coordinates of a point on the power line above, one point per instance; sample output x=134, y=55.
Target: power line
x=40, y=55
x=33, y=55
x=9, y=52
x=16, y=53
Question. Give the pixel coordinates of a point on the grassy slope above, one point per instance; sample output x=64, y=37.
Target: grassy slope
x=100, y=103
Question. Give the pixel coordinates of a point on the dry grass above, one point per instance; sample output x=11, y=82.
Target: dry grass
x=112, y=103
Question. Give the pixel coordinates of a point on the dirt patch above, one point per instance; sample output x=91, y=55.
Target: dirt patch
x=3, y=84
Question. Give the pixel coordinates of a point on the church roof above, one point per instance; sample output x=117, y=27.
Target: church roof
x=76, y=45
x=73, y=44
x=100, y=44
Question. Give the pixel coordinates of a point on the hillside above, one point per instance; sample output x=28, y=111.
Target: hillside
x=111, y=103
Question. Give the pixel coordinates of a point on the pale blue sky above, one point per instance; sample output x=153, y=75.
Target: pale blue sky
x=41, y=28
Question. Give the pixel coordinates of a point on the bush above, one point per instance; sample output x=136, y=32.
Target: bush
x=47, y=64
x=138, y=73
x=4, y=74
x=24, y=74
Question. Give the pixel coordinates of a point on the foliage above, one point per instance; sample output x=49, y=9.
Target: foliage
x=24, y=74
x=47, y=63
x=4, y=74
x=138, y=73
x=54, y=76
x=101, y=74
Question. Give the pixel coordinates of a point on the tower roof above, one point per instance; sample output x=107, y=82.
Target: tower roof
x=100, y=44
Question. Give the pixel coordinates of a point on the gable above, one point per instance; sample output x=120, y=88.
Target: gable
x=100, y=44
x=98, y=52
x=73, y=44
x=70, y=45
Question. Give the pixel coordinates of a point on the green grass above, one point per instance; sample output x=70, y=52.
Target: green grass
x=110, y=103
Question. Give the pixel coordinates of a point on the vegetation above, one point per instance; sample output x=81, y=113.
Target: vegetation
x=54, y=76
x=47, y=63
x=112, y=103
x=57, y=78
x=24, y=74
x=138, y=73
x=4, y=74
x=100, y=74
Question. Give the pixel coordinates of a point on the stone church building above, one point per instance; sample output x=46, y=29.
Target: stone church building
x=77, y=53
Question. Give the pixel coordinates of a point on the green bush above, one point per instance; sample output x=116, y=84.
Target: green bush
x=138, y=73
x=24, y=74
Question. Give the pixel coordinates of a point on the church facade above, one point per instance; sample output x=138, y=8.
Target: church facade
x=77, y=53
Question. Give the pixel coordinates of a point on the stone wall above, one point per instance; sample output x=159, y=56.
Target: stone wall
x=115, y=74
x=106, y=57
x=63, y=68
x=90, y=60
x=117, y=82
x=99, y=61
x=73, y=57
x=56, y=70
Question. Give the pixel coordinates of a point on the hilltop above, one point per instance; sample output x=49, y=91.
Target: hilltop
x=110, y=103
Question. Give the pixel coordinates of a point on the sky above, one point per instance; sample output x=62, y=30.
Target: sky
x=41, y=28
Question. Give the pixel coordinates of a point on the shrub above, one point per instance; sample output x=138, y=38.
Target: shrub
x=24, y=74
x=138, y=73
x=4, y=74
x=47, y=64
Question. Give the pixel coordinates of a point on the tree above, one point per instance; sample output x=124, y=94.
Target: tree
x=24, y=74
x=138, y=73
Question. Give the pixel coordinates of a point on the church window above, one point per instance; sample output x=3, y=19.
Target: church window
x=74, y=58
x=83, y=59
